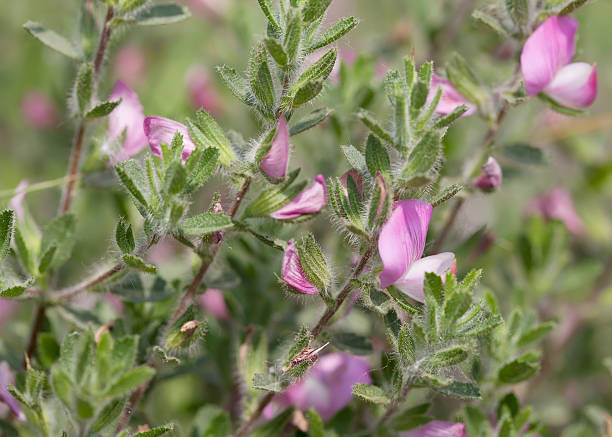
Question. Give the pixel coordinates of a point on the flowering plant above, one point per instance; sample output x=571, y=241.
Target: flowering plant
x=262, y=280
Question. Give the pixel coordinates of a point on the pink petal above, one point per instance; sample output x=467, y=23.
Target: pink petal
x=402, y=238
x=328, y=386
x=357, y=178
x=213, y=302
x=575, y=85
x=309, y=201
x=275, y=163
x=558, y=205
x=162, y=130
x=491, y=176
x=450, y=98
x=128, y=116
x=549, y=48
x=6, y=379
x=16, y=202
x=292, y=272
x=411, y=283
x=437, y=429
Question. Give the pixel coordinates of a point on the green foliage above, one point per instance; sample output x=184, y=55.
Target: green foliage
x=52, y=39
x=161, y=14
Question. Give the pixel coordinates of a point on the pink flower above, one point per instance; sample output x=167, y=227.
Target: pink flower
x=213, y=302
x=558, y=205
x=546, y=66
x=309, y=201
x=130, y=64
x=160, y=130
x=209, y=9
x=38, y=110
x=437, y=429
x=356, y=177
x=275, y=163
x=450, y=97
x=293, y=273
x=128, y=116
x=401, y=244
x=491, y=176
x=6, y=379
x=327, y=387
x=201, y=92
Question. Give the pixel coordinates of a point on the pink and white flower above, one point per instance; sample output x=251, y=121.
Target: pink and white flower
x=310, y=201
x=293, y=273
x=450, y=98
x=276, y=161
x=128, y=116
x=547, y=67
x=160, y=130
x=401, y=245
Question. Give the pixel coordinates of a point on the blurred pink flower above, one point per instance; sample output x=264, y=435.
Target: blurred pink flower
x=557, y=205
x=7, y=378
x=437, y=428
x=114, y=302
x=293, y=273
x=401, y=245
x=345, y=55
x=310, y=201
x=128, y=116
x=547, y=68
x=16, y=202
x=491, y=176
x=160, y=130
x=450, y=98
x=212, y=301
x=212, y=10
x=201, y=91
x=327, y=387
x=38, y=110
x=130, y=64
x=275, y=163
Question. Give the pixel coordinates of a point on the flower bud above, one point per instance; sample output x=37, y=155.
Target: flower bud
x=293, y=273
x=491, y=176
x=275, y=163
x=357, y=178
x=310, y=201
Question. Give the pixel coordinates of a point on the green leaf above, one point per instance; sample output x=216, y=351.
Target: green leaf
x=107, y=415
x=52, y=39
x=519, y=11
x=162, y=14
x=448, y=357
x=186, y=330
x=459, y=390
x=446, y=194
x=272, y=199
x=133, y=179
x=236, y=84
x=138, y=263
x=59, y=233
x=405, y=422
x=124, y=237
x=519, y=369
x=7, y=225
x=406, y=344
x=450, y=118
x=262, y=83
x=402, y=301
x=277, y=51
x=200, y=165
x=293, y=38
x=207, y=133
x=424, y=155
x=337, y=31
x=48, y=349
x=102, y=109
x=164, y=358
x=15, y=290
x=352, y=343
x=211, y=421
x=311, y=120
x=370, y=393
x=175, y=179
x=317, y=72
x=206, y=223
x=316, y=427
x=374, y=126
x=84, y=86
x=155, y=432
x=130, y=381
x=377, y=159
x=307, y=92
x=313, y=262
x=46, y=258
x=490, y=21
x=524, y=154
x=268, y=10
x=536, y=333
x=23, y=252
x=301, y=341
x=268, y=382
x=314, y=9
x=355, y=158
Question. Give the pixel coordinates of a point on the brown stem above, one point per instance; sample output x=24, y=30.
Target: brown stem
x=448, y=225
x=77, y=146
x=36, y=327
x=244, y=429
x=184, y=303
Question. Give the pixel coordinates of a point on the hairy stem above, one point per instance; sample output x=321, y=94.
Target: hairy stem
x=183, y=304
